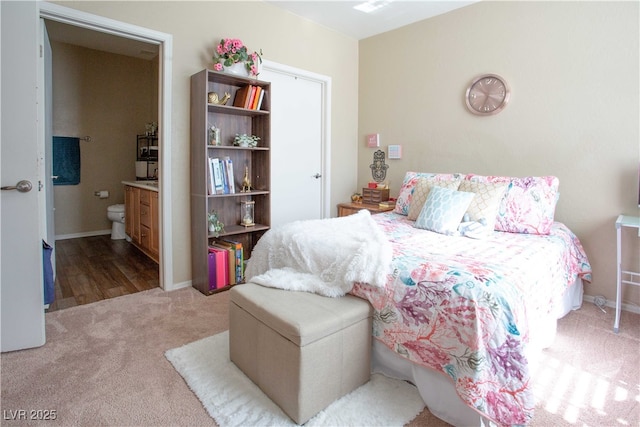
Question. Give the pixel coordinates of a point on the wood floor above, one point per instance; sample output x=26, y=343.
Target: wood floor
x=90, y=269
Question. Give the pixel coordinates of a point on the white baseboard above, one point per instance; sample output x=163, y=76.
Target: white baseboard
x=176, y=286
x=633, y=308
x=85, y=234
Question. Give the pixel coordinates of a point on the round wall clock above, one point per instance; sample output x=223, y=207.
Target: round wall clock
x=487, y=94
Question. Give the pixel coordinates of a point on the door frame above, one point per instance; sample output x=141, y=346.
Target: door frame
x=92, y=22
x=325, y=139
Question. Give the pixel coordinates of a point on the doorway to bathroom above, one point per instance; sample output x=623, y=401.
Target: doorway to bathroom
x=105, y=90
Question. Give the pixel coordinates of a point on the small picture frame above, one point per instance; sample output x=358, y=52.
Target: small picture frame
x=395, y=152
x=373, y=140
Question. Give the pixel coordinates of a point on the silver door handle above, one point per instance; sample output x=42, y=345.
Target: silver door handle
x=317, y=176
x=23, y=186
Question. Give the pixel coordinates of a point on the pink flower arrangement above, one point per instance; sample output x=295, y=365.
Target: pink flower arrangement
x=232, y=51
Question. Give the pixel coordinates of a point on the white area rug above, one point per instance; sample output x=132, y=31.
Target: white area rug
x=232, y=399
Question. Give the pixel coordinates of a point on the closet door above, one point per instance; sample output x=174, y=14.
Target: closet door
x=297, y=182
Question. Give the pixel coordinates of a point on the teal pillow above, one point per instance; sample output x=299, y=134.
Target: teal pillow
x=443, y=210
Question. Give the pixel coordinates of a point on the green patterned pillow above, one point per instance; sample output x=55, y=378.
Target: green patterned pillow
x=443, y=210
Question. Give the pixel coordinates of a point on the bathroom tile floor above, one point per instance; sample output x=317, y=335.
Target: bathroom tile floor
x=90, y=269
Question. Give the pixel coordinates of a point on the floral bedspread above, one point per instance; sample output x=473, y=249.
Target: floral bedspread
x=464, y=307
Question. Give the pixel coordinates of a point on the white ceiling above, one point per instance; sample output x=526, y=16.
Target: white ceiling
x=342, y=17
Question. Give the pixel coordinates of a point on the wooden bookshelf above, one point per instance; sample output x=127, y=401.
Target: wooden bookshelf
x=231, y=121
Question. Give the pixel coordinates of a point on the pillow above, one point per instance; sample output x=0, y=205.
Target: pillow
x=406, y=190
x=423, y=188
x=408, y=184
x=528, y=205
x=443, y=210
x=486, y=202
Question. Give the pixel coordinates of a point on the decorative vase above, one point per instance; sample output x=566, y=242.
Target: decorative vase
x=238, y=68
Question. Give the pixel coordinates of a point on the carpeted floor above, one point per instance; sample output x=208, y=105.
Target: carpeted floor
x=104, y=364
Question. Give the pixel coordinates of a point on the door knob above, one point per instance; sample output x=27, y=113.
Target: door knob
x=317, y=176
x=23, y=186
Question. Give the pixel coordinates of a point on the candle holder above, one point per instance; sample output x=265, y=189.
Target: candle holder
x=246, y=211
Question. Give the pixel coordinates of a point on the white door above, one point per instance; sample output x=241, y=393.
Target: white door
x=298, y=164
x=21, y=289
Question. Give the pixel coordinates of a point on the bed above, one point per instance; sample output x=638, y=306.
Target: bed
x=462, y=314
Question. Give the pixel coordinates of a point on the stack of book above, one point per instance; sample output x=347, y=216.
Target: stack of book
x=220, y=172
x=249, y=97
x=226, y=263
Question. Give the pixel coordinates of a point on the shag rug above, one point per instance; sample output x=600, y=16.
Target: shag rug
x=232, y=399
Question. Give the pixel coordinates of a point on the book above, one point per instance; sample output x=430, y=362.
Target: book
x=231, y=260
x=251, y=97
x=256, y=98
x=218, y=182
x=229, y=171
x=239, y=258
x=211, y=186
x=222, y=266
x=241, y=96
x=223, y=175
x=212, y=271
x=260, y=100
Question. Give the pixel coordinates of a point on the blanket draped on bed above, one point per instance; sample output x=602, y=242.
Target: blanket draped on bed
x=322, y=256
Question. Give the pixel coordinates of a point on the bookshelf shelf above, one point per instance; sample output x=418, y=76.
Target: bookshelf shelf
x=256, y=160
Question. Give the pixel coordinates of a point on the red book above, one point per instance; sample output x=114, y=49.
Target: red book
x=251, y=97
x=222, y=266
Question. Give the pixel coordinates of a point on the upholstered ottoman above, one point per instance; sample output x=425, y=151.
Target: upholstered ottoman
x=303, y=350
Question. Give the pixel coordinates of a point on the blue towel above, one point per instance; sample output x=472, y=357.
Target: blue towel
x=66, y=160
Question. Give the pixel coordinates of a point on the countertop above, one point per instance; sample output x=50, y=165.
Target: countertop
x=147, y=185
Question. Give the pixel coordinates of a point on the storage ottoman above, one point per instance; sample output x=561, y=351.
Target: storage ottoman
x=303, y=350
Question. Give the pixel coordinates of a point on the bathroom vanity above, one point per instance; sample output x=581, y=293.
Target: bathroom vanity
x=141, y=216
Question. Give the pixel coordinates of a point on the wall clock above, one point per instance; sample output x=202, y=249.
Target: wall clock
x=487, y=94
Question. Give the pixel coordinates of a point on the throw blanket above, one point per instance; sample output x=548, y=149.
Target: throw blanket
x=324, y=256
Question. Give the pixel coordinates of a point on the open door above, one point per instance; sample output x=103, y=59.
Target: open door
x=21, y=286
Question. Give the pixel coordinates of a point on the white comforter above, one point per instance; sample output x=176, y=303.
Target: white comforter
x=322, y=256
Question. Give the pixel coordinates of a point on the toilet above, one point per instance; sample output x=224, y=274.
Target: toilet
x=115, y=213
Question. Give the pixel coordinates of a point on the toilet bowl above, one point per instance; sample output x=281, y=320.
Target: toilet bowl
x=115, y=213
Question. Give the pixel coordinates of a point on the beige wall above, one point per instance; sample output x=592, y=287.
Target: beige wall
x=574, y=110
x=284, y=38
x=109, y=98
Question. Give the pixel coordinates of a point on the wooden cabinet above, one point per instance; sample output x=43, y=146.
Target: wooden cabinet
x=154, y=240
x=132, y=213
x=230, y=121
x=141, y=220
x=345, y=209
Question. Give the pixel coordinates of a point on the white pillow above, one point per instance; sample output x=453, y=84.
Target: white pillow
x=486, y=203
x=443, y=210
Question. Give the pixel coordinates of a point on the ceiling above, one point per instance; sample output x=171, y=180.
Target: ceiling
x=391, y=14
x=337, y=15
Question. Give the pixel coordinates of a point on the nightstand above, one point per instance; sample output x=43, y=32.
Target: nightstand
x=345, y=209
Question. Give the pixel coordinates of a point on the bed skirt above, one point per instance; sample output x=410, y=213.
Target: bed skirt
x=438, y=391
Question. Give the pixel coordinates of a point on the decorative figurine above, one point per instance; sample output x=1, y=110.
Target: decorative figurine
x=247, y=213
x=212, y=98
x=379, y=167
x=246, y=182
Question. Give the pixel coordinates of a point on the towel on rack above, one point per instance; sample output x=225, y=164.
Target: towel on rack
x=66, y=160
